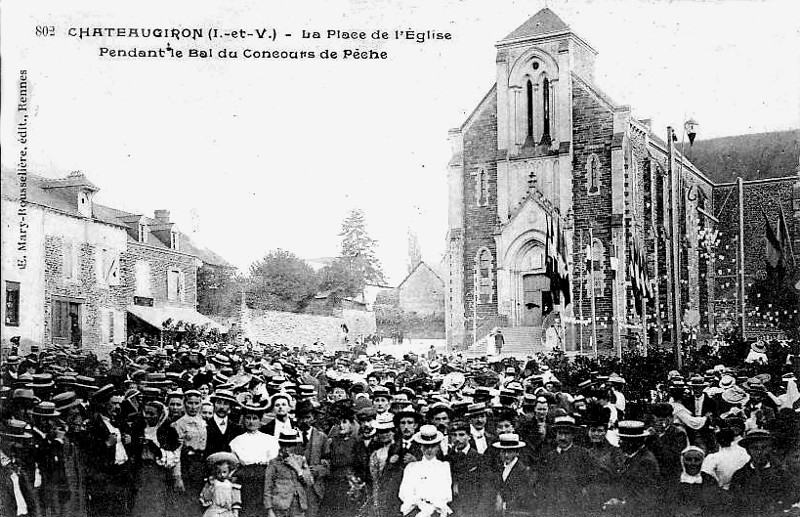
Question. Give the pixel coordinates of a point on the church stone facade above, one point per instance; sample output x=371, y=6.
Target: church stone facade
x=546, y=143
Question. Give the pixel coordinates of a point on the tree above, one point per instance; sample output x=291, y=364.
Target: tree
x=414, y=251
x=340, y=281
x=281, y=281
x=358, y=251
x=218, y=290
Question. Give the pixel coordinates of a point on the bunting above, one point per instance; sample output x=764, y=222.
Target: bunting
x=638, y=275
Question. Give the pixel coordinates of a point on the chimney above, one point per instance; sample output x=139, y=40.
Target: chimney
x=162, y=216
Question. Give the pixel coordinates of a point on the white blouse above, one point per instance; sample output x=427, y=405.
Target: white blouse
x=426, y=485
x=255, y=448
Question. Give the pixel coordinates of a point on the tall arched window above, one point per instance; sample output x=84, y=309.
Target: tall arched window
x=593, y=174
x=546, y=110
x=529, y=108
x=484, y=265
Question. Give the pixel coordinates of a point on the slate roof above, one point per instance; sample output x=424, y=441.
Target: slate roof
x=63, y=200
x=543, y=22
x=755, y=156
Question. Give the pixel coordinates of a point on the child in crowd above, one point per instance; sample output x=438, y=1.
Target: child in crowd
x=220, y=496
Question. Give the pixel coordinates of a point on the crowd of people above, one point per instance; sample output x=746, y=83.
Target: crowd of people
x=240, y=430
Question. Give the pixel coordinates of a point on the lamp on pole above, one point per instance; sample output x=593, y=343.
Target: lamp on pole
x=677, y=210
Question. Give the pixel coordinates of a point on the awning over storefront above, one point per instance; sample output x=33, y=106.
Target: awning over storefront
x=156, y=316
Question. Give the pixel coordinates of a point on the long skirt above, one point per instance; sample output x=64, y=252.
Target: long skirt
x=154, y=491
x=251, y=477
x=194, y=474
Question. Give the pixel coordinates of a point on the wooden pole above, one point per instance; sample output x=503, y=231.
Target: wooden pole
x=580, y=290
x=591, y=279
x=675, y=238
x=740, y=186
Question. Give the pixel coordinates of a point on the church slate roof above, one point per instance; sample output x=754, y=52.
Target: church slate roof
x=543, y=22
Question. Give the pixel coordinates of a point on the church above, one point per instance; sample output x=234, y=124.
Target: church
x=570, y=222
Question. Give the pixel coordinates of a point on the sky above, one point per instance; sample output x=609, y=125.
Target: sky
x=251, y=155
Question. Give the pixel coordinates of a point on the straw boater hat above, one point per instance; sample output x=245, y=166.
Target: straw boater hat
x=726, y=381
x=46, y=409
x=384, y=422
x=381, y=392
x=508, y=441
x=631, y=429
x=428, y=435
x=225, y=395
x=756, y=435
x=252, y=407
x=697, y=381
x=290, y=437
x=14, y=429
x=615, y=378
x=66, y=400
x=759, y=347
x=565, y=423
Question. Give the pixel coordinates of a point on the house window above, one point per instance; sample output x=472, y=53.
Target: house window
x=173, y=240
x=142, y=233
x=12, y=304
x=108, y=267
x=175, y=285
x=66, y=321
x=71, y=261
x=143, y=284
x=484, y=275
x=593, y=174
x=110, y=326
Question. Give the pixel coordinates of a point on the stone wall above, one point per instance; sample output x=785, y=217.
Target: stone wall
x=593, y=126
x=480, y=151
x=161, y=261
x=299, y=329
x=761, y=198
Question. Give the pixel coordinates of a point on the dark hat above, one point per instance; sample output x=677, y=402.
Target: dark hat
x=460, y=408
x=482, y=393
x=504, y=413
x=756, y=435
x=407, y=413
x=529, y=400
x=508, y=441
x=366, y=414
x=151, y=393
x=290, y=437
x=439, y=407
x=631, y=429
x=25, y=395
x=596, y=416
x=459, y=425
x=103, y=394
x=305, y=407
x=697, y=381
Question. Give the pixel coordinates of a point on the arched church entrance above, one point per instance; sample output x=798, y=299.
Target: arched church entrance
x=532, y=287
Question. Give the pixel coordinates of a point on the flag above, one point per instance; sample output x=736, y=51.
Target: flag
x=785, y=239
x=565, y=289
x=774, y=250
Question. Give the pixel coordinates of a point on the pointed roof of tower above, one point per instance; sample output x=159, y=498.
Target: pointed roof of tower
x=543, y=22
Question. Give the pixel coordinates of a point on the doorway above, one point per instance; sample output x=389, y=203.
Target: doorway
x=532, y=287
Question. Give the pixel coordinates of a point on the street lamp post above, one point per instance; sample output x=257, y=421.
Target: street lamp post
x=676, y=209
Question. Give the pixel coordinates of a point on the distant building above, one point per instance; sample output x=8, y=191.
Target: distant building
x=88, y=272
x=422, y=291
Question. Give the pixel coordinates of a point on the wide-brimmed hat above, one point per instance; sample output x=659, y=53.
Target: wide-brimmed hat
x=631, y=429
x=786, y=377
x=754, y=384
x=759, y=347
x=428, y=435
x=726, y=381
x=697, y=381
x=381, y=391
x=735, y=395
x=763, y=377
x=508, y=441
x=252, y=407
x=24, y=395
x=306, y=390
x=225, y=395
x=756, y=435
x=46, y=409
x=290, y=437
x=615, y=378
x=565, y=423
x=281, y=395
x=223, y=457
x=102, y=395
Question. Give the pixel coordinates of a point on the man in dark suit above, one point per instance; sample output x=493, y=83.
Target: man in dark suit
x=365, y=444
x=468, y=471
x=666, y=441
x=316, y=451
x=480, y=437
x=110, y=474
x=565, y=470
x=17, y=496
x=407, y=422
x=511, y=481
x=280, y=407
x=221, y=430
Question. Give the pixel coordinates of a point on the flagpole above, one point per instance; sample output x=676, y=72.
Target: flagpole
x=580, y=291
x=591, y=276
